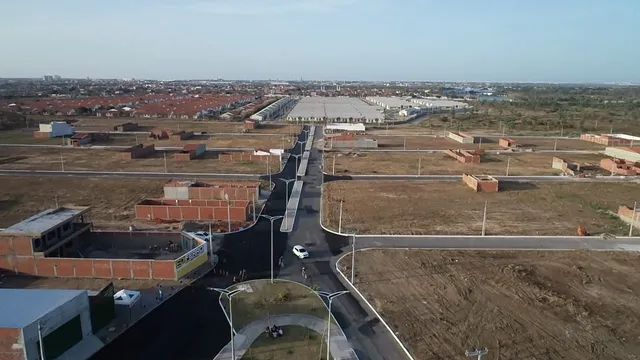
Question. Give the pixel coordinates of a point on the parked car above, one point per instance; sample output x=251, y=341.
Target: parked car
x=300, y=252
x=201, y=235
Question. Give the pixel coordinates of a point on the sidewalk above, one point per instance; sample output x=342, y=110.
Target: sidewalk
x=340, y=347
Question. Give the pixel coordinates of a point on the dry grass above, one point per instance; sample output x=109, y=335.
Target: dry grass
x=388, y=207
x=112, y=201
x=520, y=305
x=393, y=163
x=297, y=343
x=110, y=160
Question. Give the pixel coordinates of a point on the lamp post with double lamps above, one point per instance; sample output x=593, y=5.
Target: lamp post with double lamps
x=286, y=198
x=229, y=294
x=330, y=297
x=272, y=219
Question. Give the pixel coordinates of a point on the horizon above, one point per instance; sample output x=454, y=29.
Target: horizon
x=335, y=40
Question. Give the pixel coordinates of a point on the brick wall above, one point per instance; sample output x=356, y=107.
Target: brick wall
x=480, y=185
x=241, y=156
x=9, y=337
x=464, y=156
x=91, y=268
x=619, y=167
x=138, y=151
x=180, y=210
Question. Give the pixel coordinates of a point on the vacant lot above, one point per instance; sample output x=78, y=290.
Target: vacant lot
x=112, y=201
x=30, y=158
x=519, y=305
x=391, y=207
x=393, y=163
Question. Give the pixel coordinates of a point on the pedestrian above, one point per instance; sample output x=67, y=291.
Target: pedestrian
x=160, y=296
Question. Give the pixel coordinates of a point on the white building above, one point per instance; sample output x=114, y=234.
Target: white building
x=274, y=110
x=357, y=128
x=339, y=109
x=57, y=129
x=60, y=319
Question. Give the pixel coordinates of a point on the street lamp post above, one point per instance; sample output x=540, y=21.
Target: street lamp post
x=306, y=133
x=286, y=197
x=340, y=218
x=41, y=341
x=272, y=219
x=226, y=197
x=330, y=297
x=296, y=156
x=353, y=258
x=300, y=142
x=229, y=294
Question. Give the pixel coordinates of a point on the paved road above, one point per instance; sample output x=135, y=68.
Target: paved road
x=499, y=242
x=368, y=337
x=128, y=174
x=532, y=178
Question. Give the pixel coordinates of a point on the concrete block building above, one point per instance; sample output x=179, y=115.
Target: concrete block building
x=202, y=190
x=57, y=320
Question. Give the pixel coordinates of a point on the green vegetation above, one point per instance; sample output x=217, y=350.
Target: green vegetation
x=262, y=299
x=297, y=343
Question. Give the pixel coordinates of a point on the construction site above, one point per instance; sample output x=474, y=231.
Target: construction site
x=452, y=208
x=517, y=304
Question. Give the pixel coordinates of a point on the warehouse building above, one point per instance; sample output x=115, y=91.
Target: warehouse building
x=391, y=102
x=54, y=129
x=335, y=110
x=58, y=319
x=611, y=139
x=355, y=128
x=436, y=104
x=274, y=111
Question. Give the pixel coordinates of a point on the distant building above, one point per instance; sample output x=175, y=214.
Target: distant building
x=190, y=152
x=354, y=128
x=59, y=319
x=128, y=126
x=620, y=167
x=611, y=139
x=275, y=110
x=625, y=153
x=54, y=129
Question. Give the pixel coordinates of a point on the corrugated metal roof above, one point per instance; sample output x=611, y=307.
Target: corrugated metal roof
x=21, y=307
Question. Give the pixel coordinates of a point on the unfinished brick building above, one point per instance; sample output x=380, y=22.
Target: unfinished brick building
x=507, y=143
x=249, y=125
x=193, y=210
x=190, y=152
x=138, y=151
x=481, y=183
x=610, y=139
x=60, y=243
x=201, y=190
x=620, y=167
x=465, y=156
x=461, y=137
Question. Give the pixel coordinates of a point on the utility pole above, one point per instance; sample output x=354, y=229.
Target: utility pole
x=61, y=161
x=405, y=143
x=508, y=163
x=340, y=218
x=419, y=164
x=555, y=145
x=165, y=161
x=229, y=294
x=477, y=353
x=633, y=218
x=353, y=258
x=484, y=218
x=226, y=197
x=333, y=167
x=269, y=171
x=480, y=144
x=211, y=244
x=254, y=206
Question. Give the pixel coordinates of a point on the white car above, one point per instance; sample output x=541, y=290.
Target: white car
x=300, y=252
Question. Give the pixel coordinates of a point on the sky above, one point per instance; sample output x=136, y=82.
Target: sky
x=573, y=41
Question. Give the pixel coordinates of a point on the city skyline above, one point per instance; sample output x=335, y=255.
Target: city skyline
x=343, y=40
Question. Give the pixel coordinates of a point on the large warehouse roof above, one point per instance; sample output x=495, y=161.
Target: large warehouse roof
x=333, y=108
x=391, y=102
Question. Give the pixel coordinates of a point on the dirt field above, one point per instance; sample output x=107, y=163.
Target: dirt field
x=112, y=201
x=453, y=208
x=519, y=305
x=439, y=142
x=32, y=158
x=394, y=163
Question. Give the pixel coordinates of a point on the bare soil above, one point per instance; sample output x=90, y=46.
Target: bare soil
x=395, y=163
x=112, y=200
x=518, y=304
x=392, y=207
x=36, y=158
